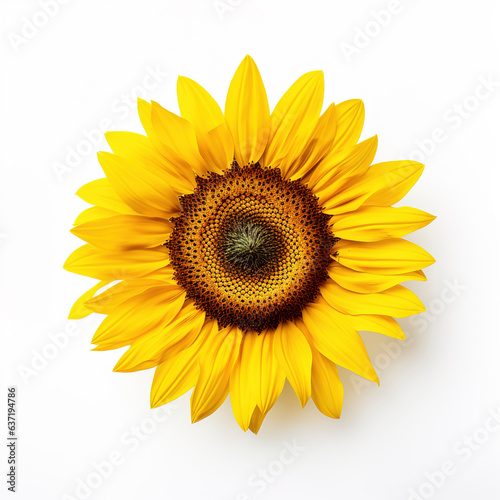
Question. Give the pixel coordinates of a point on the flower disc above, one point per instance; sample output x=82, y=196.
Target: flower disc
x=250, y=248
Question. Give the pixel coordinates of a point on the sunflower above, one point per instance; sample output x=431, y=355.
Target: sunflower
x=243, y=248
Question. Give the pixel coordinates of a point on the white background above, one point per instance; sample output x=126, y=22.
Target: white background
x=420, y=72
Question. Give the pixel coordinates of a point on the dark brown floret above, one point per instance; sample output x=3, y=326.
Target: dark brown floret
x=250, y=248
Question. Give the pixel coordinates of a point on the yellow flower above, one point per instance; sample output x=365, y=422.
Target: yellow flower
x=249, y=247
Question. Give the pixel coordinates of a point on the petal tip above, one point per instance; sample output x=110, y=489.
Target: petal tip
x=153, y=399
x=316, y=74
x=248, y=61
x=195, y=417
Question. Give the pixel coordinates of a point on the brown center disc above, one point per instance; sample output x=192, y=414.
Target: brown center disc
x=251, y=248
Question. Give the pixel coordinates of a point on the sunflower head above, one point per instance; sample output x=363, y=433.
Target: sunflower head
x=243, y=248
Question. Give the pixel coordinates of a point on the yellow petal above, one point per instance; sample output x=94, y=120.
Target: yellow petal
x=364, y=322
x=105, y=265
x=397, y=301
x=124, y=232
x=179, y=374
x=216, y=148
x=100, y=193
x=247, y=113
x=138, y=315
x=399, y=177
x=139, y=149
x=393, y=256
x=200, y=109
x=145, y=110
x=80, y=309
x=159, y=140
x=257, y=380
x=272, y=377
x=163, y=342
x=327, y=390
x=141, y=189
x=178, y=138
x=163, y=274
x=135, y=147
x=339, y=166
x=197, y=105
x=245, y=381
x=336, y=339
x=350, y=119
x=378, y=223
x=106, y=301
x=376, y=323
x=293, y=353
x=257, y=419
x=300, y=163
x=212, y=386
x=383, y=184
x=92, y=214
x=363, y=282
x=175, y=376
x=294, y=116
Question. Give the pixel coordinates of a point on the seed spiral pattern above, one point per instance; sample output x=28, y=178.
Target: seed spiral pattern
x=250, y=248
